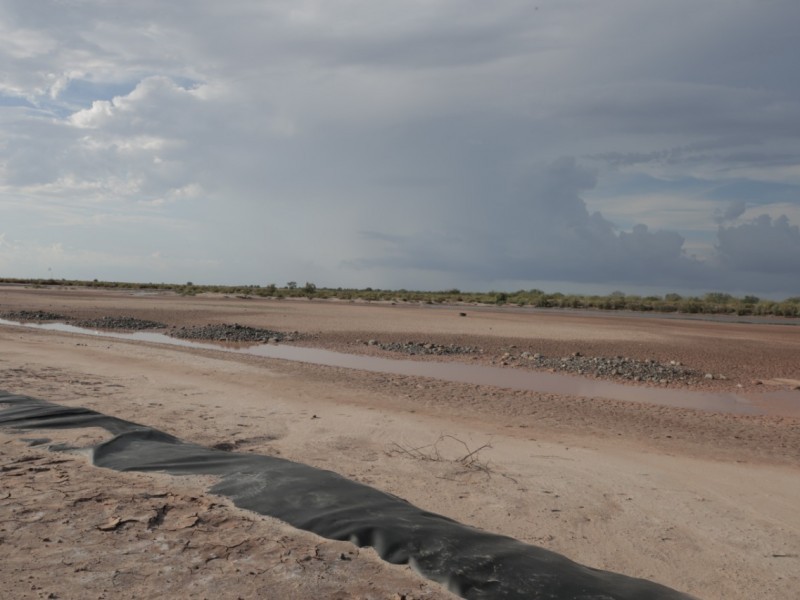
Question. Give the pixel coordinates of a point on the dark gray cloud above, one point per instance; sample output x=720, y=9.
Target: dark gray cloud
x=763, y=245
x=552, y=236
x=548, y=235
x=734, y=210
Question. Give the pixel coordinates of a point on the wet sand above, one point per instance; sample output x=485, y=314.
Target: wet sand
x=700, y=501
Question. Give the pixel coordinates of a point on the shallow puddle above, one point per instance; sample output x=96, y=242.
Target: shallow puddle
x=782, y=403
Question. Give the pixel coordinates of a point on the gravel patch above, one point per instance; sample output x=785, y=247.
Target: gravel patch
x=128, y=323
x=618, y=367
x=424, y=348
x=32, y=315
x=232, y=333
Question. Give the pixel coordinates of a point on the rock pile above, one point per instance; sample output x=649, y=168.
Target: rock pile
x=617, y=367
x=425, y=348
x=128, y=323
x=232, y=333
x=32, y=315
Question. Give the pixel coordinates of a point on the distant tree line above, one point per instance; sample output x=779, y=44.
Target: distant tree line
x=711, y=303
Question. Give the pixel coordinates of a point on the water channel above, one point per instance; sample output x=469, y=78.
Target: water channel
x=775, y=402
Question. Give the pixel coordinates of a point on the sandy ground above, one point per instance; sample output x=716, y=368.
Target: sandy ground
x=701, y=502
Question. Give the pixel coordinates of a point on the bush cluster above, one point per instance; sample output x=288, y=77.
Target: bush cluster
x=712, y=303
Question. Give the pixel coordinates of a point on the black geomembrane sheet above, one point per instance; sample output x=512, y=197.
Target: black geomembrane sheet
x=472, y=563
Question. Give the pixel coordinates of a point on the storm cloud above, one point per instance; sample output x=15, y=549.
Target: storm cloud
x=547, y=234
x=762, y=245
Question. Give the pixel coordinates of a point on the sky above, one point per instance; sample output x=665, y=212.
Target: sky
x=566, y=145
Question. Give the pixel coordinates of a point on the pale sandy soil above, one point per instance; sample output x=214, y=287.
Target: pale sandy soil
x=701, y=502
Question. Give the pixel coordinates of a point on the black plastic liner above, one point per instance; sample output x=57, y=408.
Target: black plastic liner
x=472, y=563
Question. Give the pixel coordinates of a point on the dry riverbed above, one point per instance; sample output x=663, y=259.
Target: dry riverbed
x=699, y=501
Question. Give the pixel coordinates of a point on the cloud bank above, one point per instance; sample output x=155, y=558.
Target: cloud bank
x=444, y=143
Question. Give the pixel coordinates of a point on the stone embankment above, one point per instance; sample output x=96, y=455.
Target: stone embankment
x=232, y=333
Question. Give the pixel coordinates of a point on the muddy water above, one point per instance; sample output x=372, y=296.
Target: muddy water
x=783, y=403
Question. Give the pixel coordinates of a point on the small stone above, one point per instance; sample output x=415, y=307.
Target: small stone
x=708, y=376
x=111, y=524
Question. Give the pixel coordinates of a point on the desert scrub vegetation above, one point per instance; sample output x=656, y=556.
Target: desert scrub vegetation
x=712, y=303
x=466, y=460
